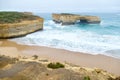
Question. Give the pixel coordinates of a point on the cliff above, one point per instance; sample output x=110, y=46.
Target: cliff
x=29, y=69
x=67, y=19
x=14, y=24
x=28, y=13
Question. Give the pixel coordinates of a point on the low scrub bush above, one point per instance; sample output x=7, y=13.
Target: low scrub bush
x=15, y=17
x=55, y=65
x=86, y=78
x=35, y=56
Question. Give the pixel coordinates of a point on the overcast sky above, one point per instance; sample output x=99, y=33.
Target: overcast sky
x=61, y=5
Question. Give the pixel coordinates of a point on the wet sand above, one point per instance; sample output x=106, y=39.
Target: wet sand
x=13, y=49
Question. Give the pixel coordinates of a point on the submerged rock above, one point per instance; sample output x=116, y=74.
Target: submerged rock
x=14, y=24
x=68, y=19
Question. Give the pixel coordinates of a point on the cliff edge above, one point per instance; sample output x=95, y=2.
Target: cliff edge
x=14, y=24
x=37, y=69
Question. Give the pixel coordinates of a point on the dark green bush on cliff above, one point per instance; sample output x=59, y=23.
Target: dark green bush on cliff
x=14, y=17
x=55, y=65
x=35, y=56
x=86, y=78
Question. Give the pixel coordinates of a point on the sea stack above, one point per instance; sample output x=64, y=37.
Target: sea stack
x=15, y=24
x=68, y=19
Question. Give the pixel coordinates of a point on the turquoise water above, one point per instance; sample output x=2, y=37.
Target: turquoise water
x=101, y=38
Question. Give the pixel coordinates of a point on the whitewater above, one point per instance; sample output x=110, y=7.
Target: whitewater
x=93, y=39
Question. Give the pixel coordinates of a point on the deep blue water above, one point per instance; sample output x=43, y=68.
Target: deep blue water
x=101, y=38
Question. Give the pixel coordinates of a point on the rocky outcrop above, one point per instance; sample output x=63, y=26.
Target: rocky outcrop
x=26, y=69
x=28, y=13
x=9, y=30
x=67, y=19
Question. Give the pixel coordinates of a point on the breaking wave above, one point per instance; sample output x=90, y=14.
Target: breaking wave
x=92, y=39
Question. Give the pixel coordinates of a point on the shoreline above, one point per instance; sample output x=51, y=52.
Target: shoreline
x=105, y=53
x=107, y=63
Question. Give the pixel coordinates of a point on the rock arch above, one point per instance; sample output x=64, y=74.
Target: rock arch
x=68, y=19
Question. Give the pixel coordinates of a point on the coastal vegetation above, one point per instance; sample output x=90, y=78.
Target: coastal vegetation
x=86, y=78
x=15, y=17
x=16, y=24
x=23, y=69
x=35, y=56
x=55, y=65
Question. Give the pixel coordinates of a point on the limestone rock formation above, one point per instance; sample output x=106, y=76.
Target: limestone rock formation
x=14, y=24
x=28, y=13
x=67, y=19
x=15, y=69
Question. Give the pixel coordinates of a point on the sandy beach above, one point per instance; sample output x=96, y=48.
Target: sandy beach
x=85, y=60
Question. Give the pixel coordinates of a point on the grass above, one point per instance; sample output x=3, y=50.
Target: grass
x=15, y=17
x=86, y=78
x=55, y=65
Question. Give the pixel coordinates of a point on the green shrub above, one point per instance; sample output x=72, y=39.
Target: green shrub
x=35, y=56
x=86, y=78
x=14, y=17
x=47, y=74
x=55, y=65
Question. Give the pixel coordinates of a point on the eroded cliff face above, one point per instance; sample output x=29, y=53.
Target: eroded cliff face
x=23, y=69
x=67, y=19
x=20, y=29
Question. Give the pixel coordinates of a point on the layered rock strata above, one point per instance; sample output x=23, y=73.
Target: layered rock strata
x=10, y=30
x=68, y=19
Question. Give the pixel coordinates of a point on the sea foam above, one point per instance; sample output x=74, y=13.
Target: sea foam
x=78, y=38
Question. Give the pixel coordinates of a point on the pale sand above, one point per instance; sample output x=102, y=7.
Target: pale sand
x=9, y=51
x=110, y=64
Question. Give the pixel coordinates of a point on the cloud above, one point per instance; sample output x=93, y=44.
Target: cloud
x=60, y=5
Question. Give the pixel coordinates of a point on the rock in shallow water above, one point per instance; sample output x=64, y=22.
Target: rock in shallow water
x=68, y=19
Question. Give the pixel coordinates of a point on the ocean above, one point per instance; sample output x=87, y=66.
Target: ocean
x=103, y=38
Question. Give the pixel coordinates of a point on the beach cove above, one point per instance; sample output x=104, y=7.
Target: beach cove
x=80, y=50
x=100, y=38
x=13, y=49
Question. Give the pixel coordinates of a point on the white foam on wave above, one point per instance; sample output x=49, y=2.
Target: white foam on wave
x=57, y=36
x=115, y=53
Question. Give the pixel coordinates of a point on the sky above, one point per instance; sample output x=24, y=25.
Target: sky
x=51, y=6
